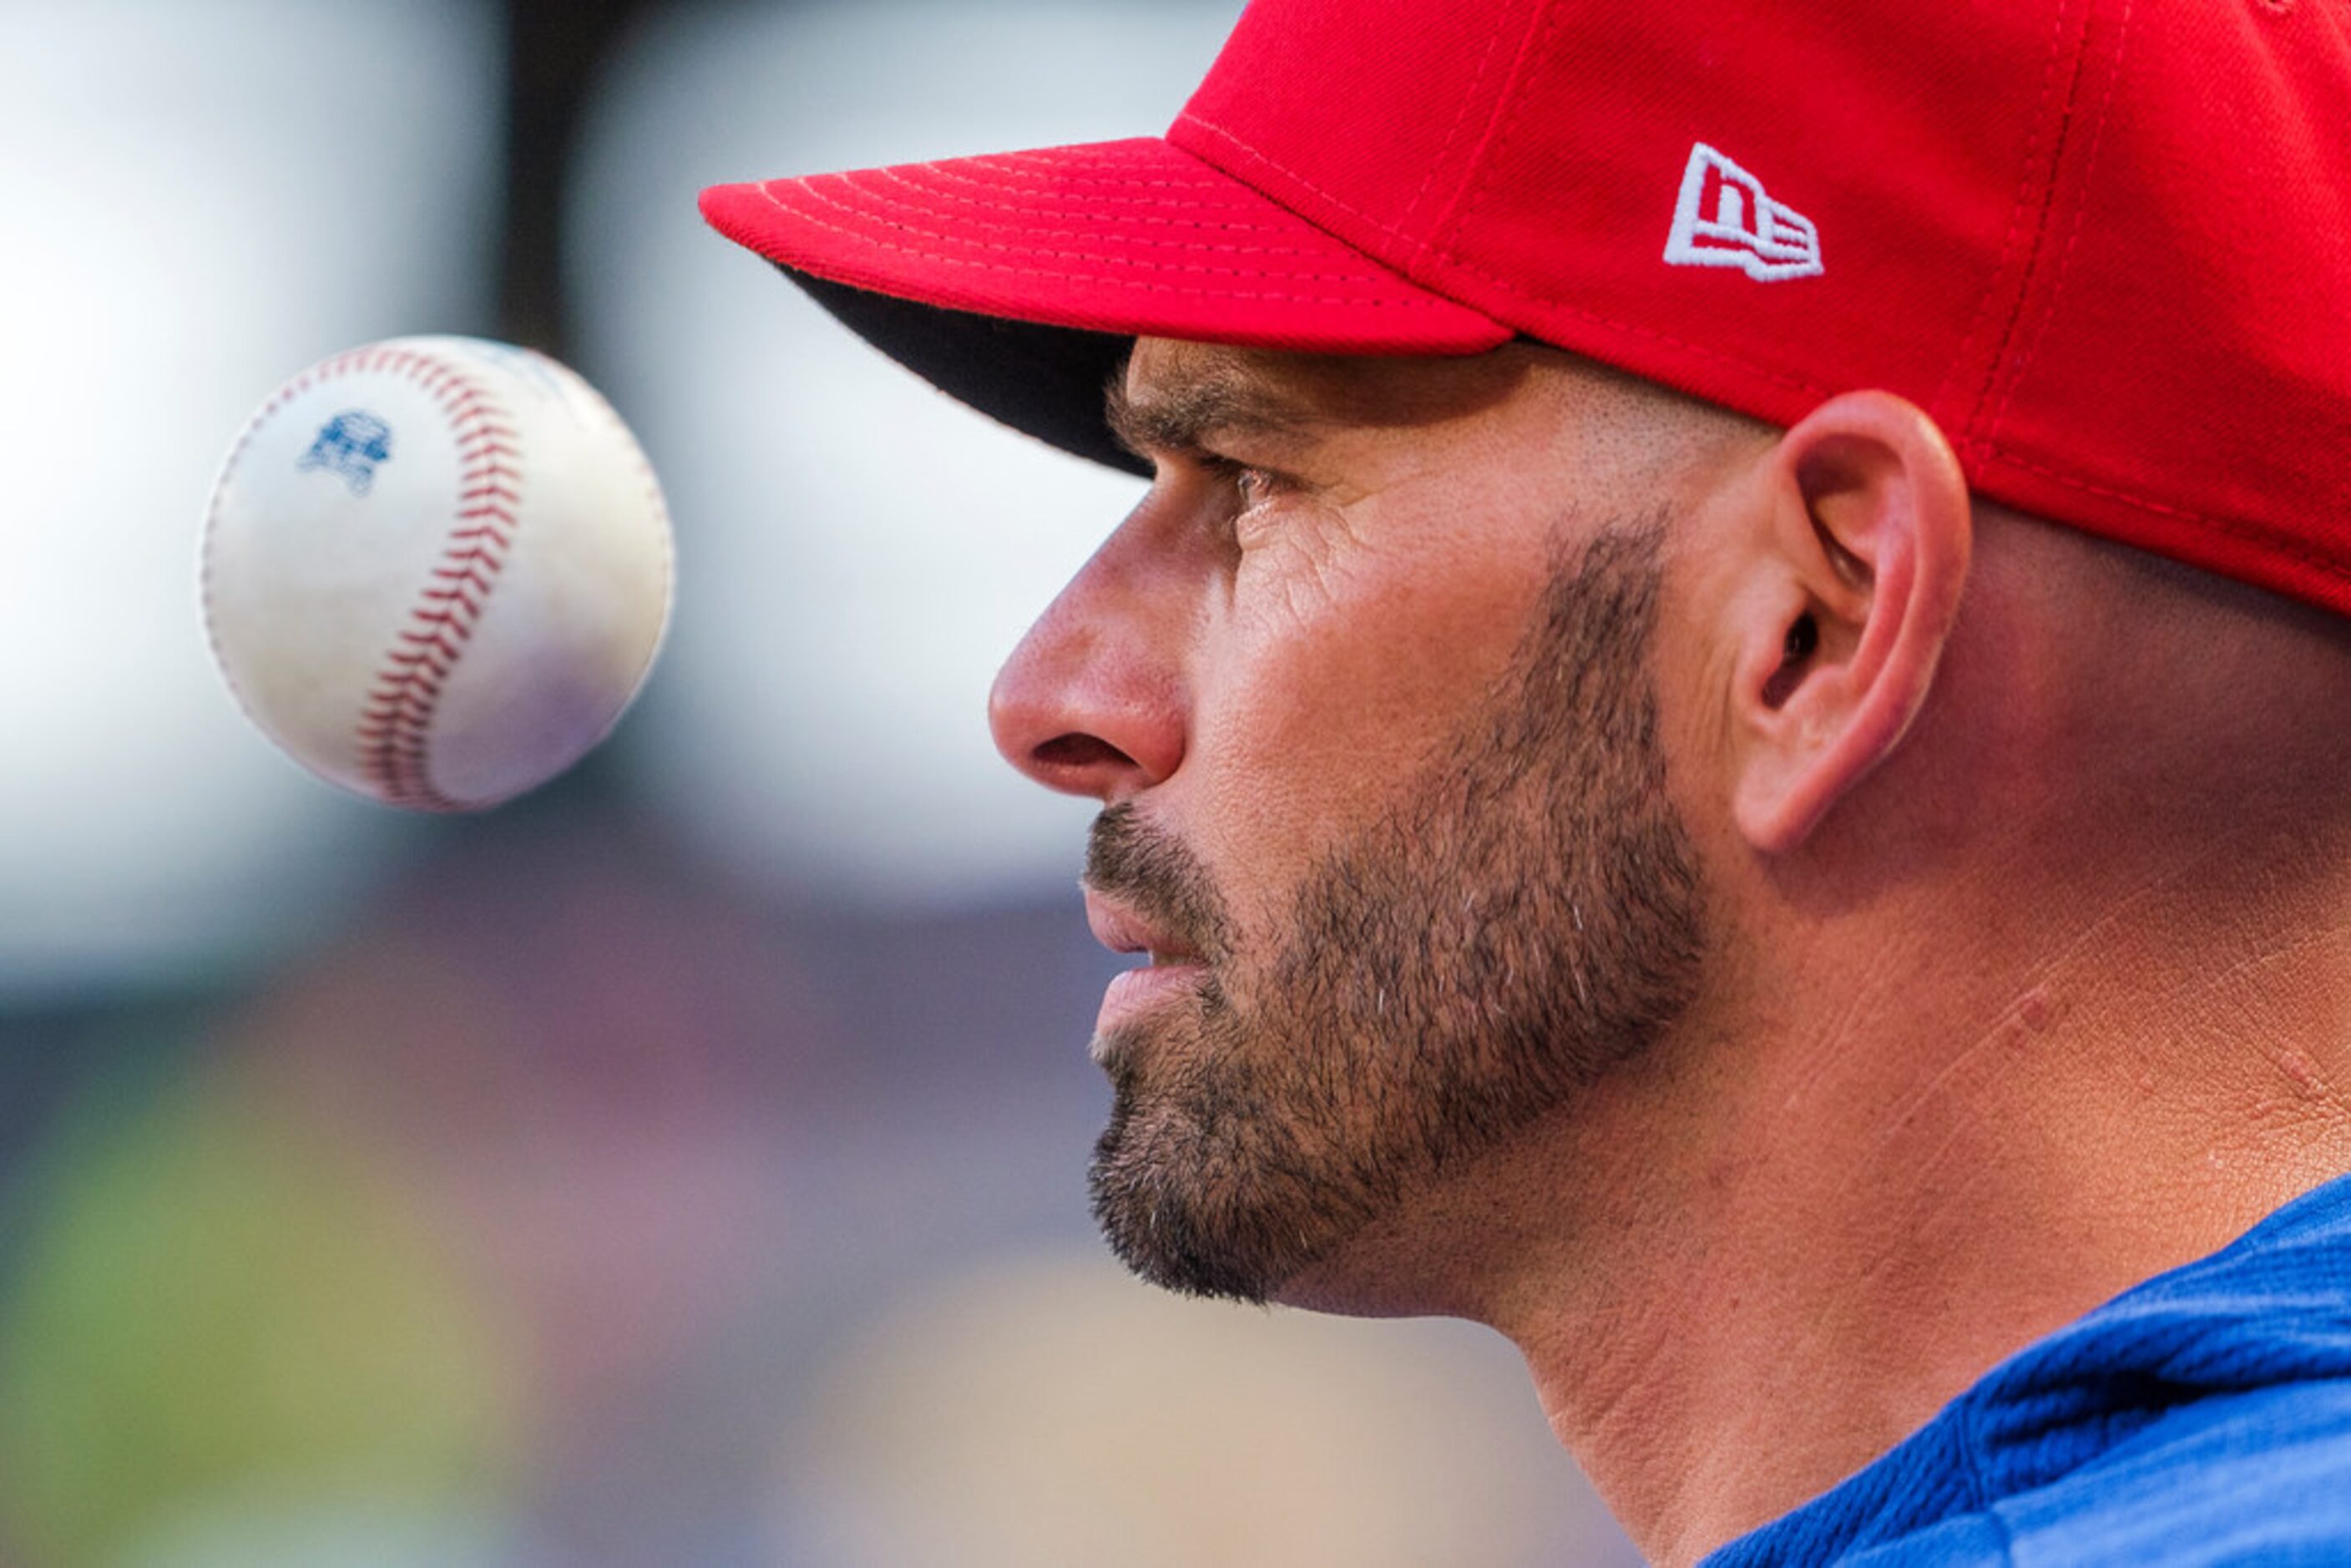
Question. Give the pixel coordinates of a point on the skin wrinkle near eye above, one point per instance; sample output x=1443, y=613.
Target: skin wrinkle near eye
x=1310, y=592
x=1272, y=434
x=1308, y=543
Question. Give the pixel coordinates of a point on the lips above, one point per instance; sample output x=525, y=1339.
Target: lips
x=1173, y=967
x=1120, y=929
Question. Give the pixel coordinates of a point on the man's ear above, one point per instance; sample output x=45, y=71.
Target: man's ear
x=1861, y=532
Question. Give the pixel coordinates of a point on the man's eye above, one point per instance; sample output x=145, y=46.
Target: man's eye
x=1251, y=486
x=1254, y=485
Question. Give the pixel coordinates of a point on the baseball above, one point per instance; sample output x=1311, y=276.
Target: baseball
x=436, y=569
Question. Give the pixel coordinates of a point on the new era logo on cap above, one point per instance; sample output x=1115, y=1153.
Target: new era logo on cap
x=1724, y=219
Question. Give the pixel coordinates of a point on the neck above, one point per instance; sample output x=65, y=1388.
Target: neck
x=1792, y=1240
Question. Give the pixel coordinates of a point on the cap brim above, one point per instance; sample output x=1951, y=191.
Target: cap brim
x=1016, y=281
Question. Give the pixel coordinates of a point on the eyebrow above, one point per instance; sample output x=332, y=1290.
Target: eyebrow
x=1182, y=416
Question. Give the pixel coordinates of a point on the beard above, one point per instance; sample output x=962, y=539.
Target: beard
x=1525, y=917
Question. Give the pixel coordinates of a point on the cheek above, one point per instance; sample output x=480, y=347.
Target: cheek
x=1332, y=680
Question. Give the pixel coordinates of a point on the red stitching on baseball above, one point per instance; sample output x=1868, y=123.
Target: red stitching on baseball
x=395, y=730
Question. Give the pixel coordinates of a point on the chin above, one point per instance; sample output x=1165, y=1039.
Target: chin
x=1387, y=1269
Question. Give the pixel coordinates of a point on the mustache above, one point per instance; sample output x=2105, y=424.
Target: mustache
x=1152, y=872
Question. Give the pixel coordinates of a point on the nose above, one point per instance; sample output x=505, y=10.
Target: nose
x=1092, y=702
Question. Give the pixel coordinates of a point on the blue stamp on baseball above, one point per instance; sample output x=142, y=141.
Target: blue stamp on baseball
x=352, y=445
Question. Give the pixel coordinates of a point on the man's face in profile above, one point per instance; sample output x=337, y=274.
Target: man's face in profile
x=1399, y=843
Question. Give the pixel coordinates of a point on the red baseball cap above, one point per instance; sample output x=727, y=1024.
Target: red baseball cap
x=2106, y=244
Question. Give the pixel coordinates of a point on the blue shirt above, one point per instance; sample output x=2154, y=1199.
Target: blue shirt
x=2203, y=1418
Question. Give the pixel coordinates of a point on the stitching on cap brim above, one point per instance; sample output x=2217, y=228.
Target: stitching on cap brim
x=1135, y=237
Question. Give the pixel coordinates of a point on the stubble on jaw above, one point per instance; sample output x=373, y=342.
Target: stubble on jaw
x=1524, y=918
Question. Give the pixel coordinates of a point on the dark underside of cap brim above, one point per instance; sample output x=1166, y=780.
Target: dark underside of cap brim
x=1048, y=381
x=1016, y=282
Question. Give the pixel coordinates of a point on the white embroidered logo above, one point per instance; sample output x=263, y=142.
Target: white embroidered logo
x=1724, y=219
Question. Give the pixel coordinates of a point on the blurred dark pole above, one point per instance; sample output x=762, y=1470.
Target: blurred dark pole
x=555, y=49
x=556, y=54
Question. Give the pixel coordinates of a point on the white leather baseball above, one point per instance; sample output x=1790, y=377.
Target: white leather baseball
x=436, y=569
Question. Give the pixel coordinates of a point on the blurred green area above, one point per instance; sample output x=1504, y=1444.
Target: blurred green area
x=215, y=1301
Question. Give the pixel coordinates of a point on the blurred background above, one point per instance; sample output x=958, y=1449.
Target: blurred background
x=683, y=1165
